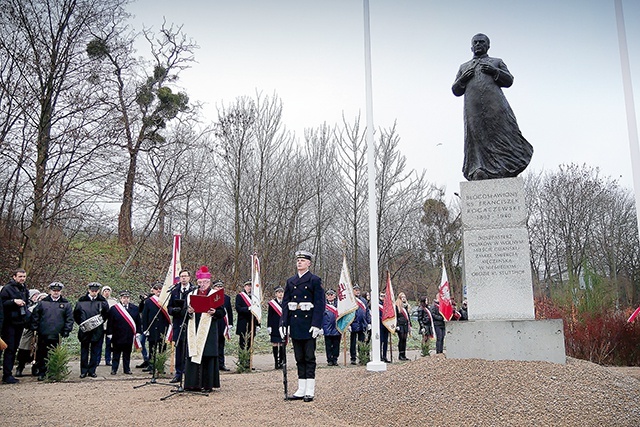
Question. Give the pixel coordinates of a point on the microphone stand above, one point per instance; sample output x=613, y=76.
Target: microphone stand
x=180, y=388
x=154, y=369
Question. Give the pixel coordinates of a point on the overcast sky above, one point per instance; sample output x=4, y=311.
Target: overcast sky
x=567, y=94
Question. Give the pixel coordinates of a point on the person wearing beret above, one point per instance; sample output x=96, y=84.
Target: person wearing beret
x=123, y=325
x=303, y=308
x=90, y=313
x=52, y=318
x=273, y=327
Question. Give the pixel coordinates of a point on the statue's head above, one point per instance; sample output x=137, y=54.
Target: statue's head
x=480, y=44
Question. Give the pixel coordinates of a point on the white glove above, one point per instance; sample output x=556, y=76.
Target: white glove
x=369, y=327
x=315, y=332
x=146, y=334
x=349, y=328
x=269, y=330
x=283, y=331
x=109, y=336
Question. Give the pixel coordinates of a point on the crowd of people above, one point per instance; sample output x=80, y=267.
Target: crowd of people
x=32, y=323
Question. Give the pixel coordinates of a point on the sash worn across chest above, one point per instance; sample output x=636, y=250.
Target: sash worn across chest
x=156, y=301
x=276, y=307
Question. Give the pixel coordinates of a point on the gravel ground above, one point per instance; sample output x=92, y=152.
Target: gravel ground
x=427, y=390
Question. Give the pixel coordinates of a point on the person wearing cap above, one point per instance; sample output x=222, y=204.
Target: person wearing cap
x=303, y=306
x=26, y=348
x=332, y=335
x=123, y=325
x=52, y=319
x=202, y=370
x=106, y=293
x=14, y=297
x=95, y=307
x=359, y=325
x=155, y=323
x=178, y=309
x=274, y=314
x=224, y=325
x=244, y=321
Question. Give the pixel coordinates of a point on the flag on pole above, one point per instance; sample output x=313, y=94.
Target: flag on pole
x=389, y=319
x=256, y=291
x=347, y=304
x=173, y=274
x=444, y=296
x=634, y=315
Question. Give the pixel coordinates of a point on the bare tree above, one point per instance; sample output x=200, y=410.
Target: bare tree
x=143, y=105
x=47, y=47
x=353, y=168
x=399, y=200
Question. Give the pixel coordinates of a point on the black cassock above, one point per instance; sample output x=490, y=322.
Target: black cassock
x=206, y=374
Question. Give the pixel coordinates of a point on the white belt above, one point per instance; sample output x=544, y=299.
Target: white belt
x=303, y=306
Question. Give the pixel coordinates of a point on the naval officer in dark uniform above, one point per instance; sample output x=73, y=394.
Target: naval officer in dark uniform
x=303, y=307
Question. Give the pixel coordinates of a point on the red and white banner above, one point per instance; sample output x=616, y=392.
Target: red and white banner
x=173, y=274
x=256, y=289
x=172, y=277
x=389, y=319
x=347, y=304
x=444, y=296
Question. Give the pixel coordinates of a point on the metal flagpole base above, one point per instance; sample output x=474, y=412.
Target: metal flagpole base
x=374, y=366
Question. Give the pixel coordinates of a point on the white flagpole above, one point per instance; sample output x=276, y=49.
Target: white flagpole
x=375, y=364
x=632, y=125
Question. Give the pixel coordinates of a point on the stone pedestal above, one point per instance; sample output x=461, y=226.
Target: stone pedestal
x=531, y=340
x=497, y=274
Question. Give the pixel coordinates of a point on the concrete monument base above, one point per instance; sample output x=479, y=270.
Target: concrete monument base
x=527, y=340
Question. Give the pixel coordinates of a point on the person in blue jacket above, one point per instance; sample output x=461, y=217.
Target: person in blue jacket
x=332, y=335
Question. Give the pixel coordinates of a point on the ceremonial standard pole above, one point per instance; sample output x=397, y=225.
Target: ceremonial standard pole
x=375, y=364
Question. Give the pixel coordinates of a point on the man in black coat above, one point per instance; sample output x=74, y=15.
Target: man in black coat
x=52, y=318
x=438, y=325
x=14, y=297
x=178, y=309
x=224, y=325
x=155, y=323
x=245, y=318
x=303, y=308
x=95, y=307
x=123, y=325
